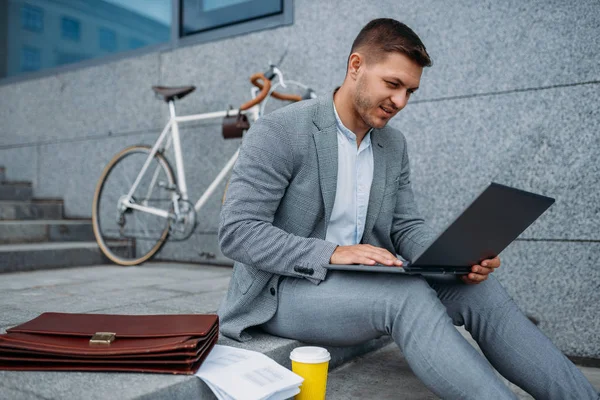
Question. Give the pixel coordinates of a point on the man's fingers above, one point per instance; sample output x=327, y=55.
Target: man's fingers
x=479, y=273
x=381, y=252
x=478, y=269
x=385, y=259
x=363, y=254
x=474, y=278
x=366, y=260
x=492, y=263
x=381, y=256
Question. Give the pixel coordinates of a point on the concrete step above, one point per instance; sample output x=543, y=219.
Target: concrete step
x=16, y=191
x=32, y=231
x=38, y=256
x=151, y=288
x=385, y=374
x=31, y=209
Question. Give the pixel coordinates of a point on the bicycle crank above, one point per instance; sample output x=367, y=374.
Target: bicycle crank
x=184, y=223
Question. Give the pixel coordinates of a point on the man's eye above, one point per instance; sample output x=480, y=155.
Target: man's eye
x=410, y=91
x=392, y=84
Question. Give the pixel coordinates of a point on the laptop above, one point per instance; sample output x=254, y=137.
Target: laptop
x=486, y=227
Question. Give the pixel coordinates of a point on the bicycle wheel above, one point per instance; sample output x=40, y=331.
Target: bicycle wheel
x=125, y=235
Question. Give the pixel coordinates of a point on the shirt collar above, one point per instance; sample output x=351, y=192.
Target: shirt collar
x=347, y=132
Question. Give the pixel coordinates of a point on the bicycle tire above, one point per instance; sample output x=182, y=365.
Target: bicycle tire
x=105, y=206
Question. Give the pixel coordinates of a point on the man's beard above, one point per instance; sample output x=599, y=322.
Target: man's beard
x=363, y=105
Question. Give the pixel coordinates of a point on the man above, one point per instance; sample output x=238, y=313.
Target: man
x=327, y=181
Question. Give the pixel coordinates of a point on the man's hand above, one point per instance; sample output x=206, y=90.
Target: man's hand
x=479, y=273
x=363, y=254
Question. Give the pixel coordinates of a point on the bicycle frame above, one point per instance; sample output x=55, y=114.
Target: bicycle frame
x=174, y=138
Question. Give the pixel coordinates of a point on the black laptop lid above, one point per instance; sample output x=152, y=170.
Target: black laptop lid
x=492, y=221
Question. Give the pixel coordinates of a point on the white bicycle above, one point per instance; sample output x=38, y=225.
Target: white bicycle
x=140, y=203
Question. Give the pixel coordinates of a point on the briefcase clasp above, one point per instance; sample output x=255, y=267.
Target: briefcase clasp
x=102, y=339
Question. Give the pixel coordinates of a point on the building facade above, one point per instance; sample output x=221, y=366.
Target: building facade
x=512, y=97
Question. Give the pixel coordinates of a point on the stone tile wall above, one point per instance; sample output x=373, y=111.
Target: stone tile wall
x=512, y=97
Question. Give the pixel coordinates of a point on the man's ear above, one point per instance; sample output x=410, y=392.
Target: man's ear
x=355, y=63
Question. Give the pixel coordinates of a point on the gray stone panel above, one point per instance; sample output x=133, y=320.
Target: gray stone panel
x=477, y=48
x=558, y=284
x=89, y=102
x=481, y=47
x=74, y=175
x=543, y=141
x=20, y=162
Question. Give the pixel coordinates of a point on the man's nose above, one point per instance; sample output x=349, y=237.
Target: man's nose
x=400, y=99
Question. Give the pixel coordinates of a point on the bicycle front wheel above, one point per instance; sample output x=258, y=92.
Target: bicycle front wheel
x=125, y=235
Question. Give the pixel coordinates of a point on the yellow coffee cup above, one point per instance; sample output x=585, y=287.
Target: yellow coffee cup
x=312, y=364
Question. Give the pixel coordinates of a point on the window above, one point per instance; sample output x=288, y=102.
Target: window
x=203, y=15
x=135, y=43
x=31, y=59
x=32, y=18
x=63, y=58
x=70, y=28
x=107, y=39
x=67, y=32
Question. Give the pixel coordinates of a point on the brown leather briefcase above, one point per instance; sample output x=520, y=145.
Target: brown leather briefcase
x=175, y=344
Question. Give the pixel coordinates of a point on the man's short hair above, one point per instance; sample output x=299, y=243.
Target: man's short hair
x=385, y=35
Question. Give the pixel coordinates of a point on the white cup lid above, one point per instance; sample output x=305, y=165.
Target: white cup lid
x=310, y=355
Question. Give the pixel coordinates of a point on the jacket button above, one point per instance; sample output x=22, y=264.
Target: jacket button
x=273, y=291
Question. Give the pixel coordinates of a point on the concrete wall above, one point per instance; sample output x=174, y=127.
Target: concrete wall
x=512, y=97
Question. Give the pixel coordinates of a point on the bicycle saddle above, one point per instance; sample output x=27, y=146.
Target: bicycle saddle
x=172, y=93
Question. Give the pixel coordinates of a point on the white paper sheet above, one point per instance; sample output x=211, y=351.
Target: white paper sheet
x=237, y=374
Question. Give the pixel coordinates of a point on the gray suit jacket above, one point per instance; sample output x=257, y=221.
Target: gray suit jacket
x=279, y=201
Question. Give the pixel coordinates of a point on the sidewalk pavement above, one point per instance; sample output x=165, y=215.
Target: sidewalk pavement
x=153, y=288
x=385, y=375
x=171, y=288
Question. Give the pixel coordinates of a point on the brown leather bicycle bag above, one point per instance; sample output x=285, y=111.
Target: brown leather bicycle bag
x=234, y=126
x=175, y=344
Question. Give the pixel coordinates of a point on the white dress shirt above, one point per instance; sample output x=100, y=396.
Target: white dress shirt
x=354, y=178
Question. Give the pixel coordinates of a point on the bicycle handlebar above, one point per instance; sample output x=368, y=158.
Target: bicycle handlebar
x=281, y=96
x=264, y=90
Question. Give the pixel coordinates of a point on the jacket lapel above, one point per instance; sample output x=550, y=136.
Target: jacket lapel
x=327, y=153
x=378, y=184
x=327, y=158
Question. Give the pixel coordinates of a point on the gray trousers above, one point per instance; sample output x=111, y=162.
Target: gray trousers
x=420, y=314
